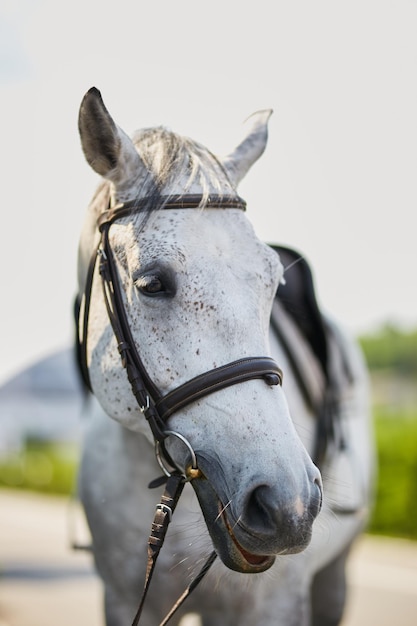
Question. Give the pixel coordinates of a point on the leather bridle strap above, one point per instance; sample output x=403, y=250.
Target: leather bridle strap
x=221, y=377
x=193, y=584
x=163, y=516
x=188, y=201
x=143, y=388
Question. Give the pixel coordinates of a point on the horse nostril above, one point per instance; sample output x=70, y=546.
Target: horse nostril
x=316, y=497
x=270, y=509
x=258, y=507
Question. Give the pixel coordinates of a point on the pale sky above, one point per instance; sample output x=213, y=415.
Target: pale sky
x=338, y=178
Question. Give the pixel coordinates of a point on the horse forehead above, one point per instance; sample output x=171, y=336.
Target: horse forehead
x=188, y=234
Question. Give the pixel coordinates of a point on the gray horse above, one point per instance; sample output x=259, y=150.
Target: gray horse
x=195, y=288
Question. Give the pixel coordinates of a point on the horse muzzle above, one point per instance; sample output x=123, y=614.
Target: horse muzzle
x=249, y=532
x=232, y=553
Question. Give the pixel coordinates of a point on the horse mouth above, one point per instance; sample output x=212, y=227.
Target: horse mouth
x=223, y=533
x=256, y=562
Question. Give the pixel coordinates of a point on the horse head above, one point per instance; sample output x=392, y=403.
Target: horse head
x=197, y=288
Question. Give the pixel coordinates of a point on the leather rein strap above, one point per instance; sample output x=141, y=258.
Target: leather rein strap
x=154, y=406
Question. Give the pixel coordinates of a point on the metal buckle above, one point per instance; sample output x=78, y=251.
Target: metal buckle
x=144, y=408
x=101, y=253
x=165, y=509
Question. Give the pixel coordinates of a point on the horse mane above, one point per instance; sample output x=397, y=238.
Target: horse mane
x=170, y=157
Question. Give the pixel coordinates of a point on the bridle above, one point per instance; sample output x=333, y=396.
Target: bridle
x=157, y=408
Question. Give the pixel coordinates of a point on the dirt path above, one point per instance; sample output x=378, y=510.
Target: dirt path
x=44, y=583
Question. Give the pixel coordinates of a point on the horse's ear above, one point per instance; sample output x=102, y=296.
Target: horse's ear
x=238, y=163
x=108, y=150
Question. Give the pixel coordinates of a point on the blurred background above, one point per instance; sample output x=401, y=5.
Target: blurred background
x=337, y=182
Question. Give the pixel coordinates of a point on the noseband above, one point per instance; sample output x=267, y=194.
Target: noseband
x=157, y=408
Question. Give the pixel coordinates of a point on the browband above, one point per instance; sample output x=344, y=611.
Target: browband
x=179, y=201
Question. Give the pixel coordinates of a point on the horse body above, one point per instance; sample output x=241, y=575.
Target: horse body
x=198, y=287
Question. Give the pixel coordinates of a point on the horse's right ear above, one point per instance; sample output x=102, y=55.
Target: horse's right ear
x=108, y=150
x=238, y=163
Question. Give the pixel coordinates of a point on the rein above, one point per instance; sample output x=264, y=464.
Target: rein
x=157, y=408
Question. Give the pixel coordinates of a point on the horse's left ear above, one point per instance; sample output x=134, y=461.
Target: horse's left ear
x=107, y=148
x=238, y=163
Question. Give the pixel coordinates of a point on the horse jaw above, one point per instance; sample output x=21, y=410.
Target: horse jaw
x=238, y=162
x=107, y=148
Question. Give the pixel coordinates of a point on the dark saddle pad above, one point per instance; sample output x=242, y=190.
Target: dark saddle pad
x=298, y=298
x=296, y=305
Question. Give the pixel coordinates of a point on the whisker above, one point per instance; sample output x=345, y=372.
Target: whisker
x=223, y=510
x=178, y=563
x=288, y=267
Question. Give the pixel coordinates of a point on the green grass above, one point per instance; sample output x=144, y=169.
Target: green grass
x=395, y=511
x=41, y=466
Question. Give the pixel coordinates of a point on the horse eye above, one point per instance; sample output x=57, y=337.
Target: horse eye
x=151, y=285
